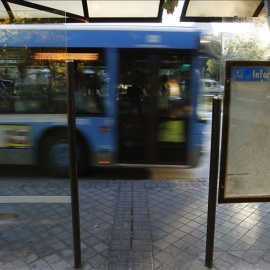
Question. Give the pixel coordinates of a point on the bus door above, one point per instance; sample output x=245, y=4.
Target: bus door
x=152, y=124
x=134, y=107
x=173, y=108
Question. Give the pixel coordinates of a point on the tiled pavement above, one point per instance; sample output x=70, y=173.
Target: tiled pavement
x=132, y=225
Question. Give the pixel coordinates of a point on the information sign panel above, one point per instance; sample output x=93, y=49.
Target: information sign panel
x=245, y=149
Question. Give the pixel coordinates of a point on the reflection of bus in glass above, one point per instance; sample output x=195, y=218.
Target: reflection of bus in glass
x=136, y=96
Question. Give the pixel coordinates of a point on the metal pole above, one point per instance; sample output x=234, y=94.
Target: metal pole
x=213, y=179
x=73, y=164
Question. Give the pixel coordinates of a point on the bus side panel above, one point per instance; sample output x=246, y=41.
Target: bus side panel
x=195, y=127
x=21, y=145
x=111, y=110
x=133, y=39
x=98, y=134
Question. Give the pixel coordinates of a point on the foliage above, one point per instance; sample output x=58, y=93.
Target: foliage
x=213, y=68
x=237, y=48
x=245, y=49
x=26, y=18
x=170, y=5
x=213, y=49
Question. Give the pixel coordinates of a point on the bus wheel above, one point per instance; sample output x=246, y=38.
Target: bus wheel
x=55, y=154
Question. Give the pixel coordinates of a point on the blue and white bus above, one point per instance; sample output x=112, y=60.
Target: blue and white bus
x=136, y=94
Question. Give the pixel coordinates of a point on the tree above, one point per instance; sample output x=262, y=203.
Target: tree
x=238, y=48
x=249, y=49
x=170, y=5
x=212, y=65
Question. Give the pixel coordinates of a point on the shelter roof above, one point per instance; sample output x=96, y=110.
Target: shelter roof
x=128, y=10
x=83, y=10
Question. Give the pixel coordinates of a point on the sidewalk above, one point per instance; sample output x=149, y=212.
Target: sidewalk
x=142, y=225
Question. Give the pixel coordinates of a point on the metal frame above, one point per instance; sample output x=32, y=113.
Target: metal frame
x=225, y=136
x=213, y=180
x=74, y=188
x=185, y=18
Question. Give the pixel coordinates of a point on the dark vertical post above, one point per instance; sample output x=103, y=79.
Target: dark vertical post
x=213, y=179
x=73, y=164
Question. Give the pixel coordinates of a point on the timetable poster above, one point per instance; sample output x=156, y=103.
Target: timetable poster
x=245, y=154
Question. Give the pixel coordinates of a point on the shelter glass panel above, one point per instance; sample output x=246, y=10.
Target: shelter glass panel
x=222, y=8
x=75, y=6
x=100, y=9
x=35, y=207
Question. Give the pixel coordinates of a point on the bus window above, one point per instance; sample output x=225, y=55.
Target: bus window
x=6, y=93
x=40, y=83
x=91, y=86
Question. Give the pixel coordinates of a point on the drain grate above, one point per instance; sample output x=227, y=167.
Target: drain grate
x=131, y=215
x=131, y=245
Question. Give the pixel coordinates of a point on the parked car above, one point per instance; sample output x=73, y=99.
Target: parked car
x=211, y=87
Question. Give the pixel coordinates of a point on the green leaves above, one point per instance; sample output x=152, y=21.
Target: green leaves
x=170, y=5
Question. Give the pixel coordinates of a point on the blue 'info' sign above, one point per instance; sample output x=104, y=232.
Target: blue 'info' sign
x=250, y=73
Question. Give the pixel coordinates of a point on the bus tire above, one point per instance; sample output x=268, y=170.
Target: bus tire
x=55, y=154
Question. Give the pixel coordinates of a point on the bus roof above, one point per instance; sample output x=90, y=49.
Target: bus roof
x=99, y=36
x=101, y=26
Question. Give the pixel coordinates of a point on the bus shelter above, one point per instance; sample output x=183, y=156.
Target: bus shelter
x=12, y=11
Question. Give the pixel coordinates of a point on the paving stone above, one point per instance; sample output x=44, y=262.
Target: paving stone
x=190, y=239
x=100, y=247
x=161, y=244
x=173, y=251
x=240, y=245
x=30, y=258
x=27, y=268
x=253, y=257
x=66, y=253
x=221, y=264
x=181, y=244
x=165, y=267
x=52, y=258
x=178, y=233
x=243, y=265
x=261, y=245
x=228, y=239
x=37, y=265
x=230, y=258
x=62, y=266
x=16, y=264
x=163, y=256
x=262, y=264
x=97, y=260
x=266, y=256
